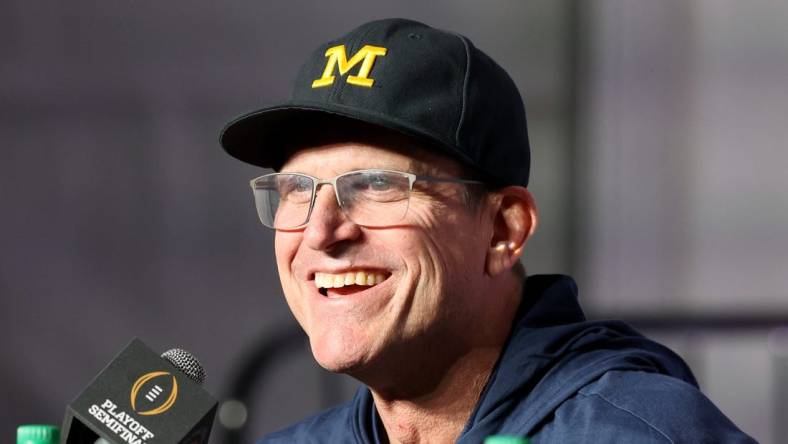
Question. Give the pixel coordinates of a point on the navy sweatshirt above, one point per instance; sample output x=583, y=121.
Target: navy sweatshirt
x=561, y=379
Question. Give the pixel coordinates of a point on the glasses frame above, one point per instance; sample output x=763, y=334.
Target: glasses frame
x=317, y=182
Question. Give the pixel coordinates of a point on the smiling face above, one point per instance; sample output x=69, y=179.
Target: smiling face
x=368, y=297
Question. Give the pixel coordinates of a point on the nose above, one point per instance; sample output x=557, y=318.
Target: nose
x=328, y=226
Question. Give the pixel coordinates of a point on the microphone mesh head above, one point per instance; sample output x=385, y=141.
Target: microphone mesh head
x=187, y=363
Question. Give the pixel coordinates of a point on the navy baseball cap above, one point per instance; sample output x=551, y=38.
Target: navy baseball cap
x=397, y=75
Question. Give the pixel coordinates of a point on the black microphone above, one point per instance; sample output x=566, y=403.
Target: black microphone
x=140, y=398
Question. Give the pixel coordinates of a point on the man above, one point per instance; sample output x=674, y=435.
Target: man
x=401, y=212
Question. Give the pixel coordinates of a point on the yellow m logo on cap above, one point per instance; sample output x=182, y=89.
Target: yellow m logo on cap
x=337, y=58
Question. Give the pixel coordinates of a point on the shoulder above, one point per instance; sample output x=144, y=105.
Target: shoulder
x=642, y=407
x=333, y=425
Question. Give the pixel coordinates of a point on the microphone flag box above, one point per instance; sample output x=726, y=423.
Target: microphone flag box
x=140, y=398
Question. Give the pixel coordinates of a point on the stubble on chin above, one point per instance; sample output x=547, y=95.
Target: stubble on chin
x=338, y=353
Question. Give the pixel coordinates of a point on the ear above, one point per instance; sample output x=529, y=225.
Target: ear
x=515, y=220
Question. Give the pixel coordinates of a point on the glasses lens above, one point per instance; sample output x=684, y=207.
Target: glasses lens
x=374, y=197
x=283, y=200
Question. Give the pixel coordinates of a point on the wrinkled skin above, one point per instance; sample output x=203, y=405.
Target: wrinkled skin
x=435, y=263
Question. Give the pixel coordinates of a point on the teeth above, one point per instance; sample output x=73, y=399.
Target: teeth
x=327, y=280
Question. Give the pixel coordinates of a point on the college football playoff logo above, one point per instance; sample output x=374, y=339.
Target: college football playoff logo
x=152, y=387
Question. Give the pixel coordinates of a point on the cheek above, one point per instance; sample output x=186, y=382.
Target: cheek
x=450, y=239
x=428, y=262
x=285, y=247
x=451, y=253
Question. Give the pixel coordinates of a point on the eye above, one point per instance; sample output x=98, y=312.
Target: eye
x=379, y=182
x=294, y=188
x=302, y=184
x=294, y=184
x=372, y=186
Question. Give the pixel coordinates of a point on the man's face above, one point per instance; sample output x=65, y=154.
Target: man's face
x=428, y=271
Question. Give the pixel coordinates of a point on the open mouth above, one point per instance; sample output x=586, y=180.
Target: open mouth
x=342, y=284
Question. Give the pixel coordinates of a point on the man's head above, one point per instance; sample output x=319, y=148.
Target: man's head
x=412, y=259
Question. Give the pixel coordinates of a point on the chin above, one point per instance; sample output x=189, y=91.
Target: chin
x=336, y=357
x=337, y=364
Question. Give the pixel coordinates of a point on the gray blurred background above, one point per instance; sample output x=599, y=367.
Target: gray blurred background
x=660, y=171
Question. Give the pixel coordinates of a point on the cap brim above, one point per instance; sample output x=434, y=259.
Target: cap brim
x=267, y=136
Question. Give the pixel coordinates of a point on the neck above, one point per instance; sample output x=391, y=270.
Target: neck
x=429, y=392
x=440, y=414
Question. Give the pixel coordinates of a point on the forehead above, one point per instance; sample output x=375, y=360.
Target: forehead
x=327, y=159
x=337, y=158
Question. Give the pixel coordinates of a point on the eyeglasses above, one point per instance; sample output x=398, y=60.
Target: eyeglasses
x=372, y=198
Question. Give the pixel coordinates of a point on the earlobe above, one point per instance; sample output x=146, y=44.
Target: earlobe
x=515, y=221
x=499, y=258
